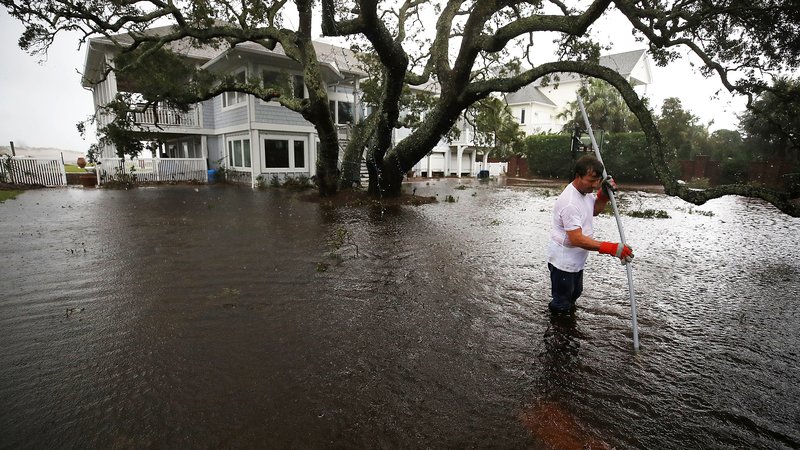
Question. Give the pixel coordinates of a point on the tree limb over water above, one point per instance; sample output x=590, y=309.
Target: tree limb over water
x=477, y=49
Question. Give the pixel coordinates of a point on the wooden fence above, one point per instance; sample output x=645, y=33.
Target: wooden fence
x=153, y=170
x=21, y=170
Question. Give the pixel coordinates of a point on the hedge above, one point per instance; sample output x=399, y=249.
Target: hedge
x=624, y=154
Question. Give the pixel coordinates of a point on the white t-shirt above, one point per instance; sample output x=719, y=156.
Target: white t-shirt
x=572, y=210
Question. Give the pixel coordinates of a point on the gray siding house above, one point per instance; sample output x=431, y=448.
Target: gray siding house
x=249, y=137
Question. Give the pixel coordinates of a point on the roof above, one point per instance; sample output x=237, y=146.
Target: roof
x=623, y=63
x=529, y=93
x=341, y=58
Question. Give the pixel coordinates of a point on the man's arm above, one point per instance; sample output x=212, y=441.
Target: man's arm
x=578, y=239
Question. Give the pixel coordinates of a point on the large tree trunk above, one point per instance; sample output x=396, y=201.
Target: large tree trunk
x=327, y=159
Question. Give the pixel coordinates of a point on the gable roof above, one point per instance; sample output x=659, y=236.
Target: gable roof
x=341, y=58
x=530, y=93
x=623, y=63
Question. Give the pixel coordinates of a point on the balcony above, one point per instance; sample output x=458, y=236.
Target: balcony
x=167, y=117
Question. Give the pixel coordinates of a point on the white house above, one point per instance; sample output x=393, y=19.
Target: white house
x=253, y=138
x=537, y=107
x=248, y=136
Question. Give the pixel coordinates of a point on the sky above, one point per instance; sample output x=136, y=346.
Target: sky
x=42, y=101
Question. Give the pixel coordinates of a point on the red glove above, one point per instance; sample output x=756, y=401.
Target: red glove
x=622, y=252
x=602, y=193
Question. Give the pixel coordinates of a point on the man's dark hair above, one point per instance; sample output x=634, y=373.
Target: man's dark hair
x=588, y=164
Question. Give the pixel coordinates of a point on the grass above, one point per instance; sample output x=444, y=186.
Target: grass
x=8, y=195
x=72, y=168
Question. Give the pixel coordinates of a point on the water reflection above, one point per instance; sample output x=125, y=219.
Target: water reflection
x=225, y=317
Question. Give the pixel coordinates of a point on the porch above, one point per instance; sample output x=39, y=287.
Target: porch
x=167, y=117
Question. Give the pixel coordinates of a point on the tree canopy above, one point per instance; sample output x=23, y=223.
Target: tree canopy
x=605, y=107
x=476, y=48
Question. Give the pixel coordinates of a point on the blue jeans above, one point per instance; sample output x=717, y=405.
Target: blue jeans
x=566, y=288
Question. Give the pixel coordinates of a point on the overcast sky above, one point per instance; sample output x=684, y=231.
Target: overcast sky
x=40, y=103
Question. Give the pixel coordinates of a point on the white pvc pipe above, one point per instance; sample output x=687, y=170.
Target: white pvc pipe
x=619, y=225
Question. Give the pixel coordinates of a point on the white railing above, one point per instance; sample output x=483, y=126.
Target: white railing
x=21, y=170
x=168, y=117
x=153, y=170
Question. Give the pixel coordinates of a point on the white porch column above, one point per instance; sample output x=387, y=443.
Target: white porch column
x=459, y=154
x=447, y=162
x=430, y=175
x=255, y=157
x=204, y=147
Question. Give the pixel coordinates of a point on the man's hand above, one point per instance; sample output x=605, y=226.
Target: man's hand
x=623, y=252
x=602, y=193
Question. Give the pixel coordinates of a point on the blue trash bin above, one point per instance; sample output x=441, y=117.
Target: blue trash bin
x=212, y=176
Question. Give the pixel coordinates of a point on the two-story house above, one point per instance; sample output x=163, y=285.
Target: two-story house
x=246, y=135
x=537, y=107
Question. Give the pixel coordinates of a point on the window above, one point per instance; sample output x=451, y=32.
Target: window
x=299, y=88
x=285, y=153
x=341, y=112
x=284, y=82
x=239, y=153
x=522, y=117
x=234, y=98
x=299, y=154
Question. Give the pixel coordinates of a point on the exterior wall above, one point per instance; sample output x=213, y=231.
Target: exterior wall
x=207, y=119
x=565, y=93
x=215, y=150
x=230, y=117
x=270, y=113
x=538, y=118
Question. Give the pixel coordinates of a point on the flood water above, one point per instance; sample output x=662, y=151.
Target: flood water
x=217, y=316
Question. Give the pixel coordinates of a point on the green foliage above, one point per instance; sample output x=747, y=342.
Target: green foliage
x=8, y=195
x=681, y=131
x=699, y=183
x=624, y=155
x=774, y=118
x=549, y=156
x=299, y=182
x=604, y=106
x=649, y=214
x=495, y=127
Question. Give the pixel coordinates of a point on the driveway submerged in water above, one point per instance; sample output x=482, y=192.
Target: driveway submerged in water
x=218, y=316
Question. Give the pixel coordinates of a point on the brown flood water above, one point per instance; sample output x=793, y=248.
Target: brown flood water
x=217, y=316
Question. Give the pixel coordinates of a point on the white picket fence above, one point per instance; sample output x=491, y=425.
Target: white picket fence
x=46, y=172
x=153, y=170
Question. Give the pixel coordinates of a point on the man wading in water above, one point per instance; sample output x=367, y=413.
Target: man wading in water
x=572, y=235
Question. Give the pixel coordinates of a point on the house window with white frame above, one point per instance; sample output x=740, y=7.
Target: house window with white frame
x=285, y=152
x=522, y=117
x=341, y=112
x=233, y=98
x=281, y=81
x=239, y=153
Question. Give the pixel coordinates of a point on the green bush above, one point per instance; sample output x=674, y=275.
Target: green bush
x=549, y=155
x=624, y=155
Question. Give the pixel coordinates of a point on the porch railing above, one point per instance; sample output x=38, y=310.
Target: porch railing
x=21, y=170
x=168, y=117
x=153, y=170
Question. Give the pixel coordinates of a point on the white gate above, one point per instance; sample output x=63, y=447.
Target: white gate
x=153, y=170
x=21, y=170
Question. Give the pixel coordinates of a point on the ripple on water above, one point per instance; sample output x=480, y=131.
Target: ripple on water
x=228, y=317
